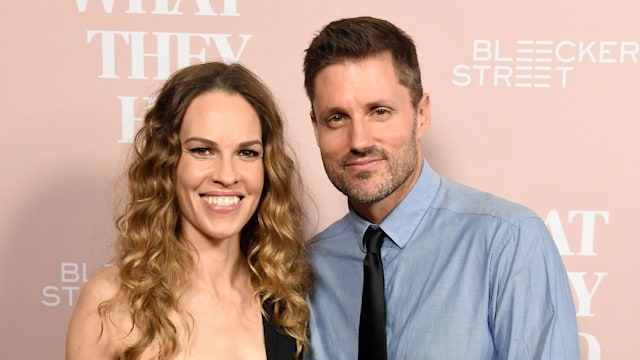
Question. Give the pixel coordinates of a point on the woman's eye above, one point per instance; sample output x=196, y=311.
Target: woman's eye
x=250, y=154
x=200, y=152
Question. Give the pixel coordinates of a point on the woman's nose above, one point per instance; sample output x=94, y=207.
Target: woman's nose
x=224, y=171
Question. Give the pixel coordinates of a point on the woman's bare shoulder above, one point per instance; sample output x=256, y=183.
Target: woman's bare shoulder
x=88, y=335
x=102, y=285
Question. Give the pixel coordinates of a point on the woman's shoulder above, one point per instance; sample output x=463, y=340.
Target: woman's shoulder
x=103, y=284
x=101, y=287
x=88, y=336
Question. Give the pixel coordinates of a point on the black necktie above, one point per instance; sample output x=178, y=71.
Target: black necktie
x=372, y=344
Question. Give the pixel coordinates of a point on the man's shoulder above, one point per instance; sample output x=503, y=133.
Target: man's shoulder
x=334, y=230
x=463, y=199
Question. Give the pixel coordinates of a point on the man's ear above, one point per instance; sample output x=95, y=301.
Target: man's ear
x=314, y=123
x=423, y=115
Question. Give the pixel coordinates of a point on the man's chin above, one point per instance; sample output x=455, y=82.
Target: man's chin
x=364, y=195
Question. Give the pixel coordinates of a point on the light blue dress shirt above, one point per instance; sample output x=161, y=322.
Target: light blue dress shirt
x=467, y=276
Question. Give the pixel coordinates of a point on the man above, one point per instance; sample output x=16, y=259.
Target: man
x=466, y=275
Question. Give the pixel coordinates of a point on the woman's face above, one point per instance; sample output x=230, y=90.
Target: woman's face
x=220, y=173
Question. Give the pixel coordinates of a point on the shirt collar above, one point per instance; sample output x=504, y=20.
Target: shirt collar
x=402, y=222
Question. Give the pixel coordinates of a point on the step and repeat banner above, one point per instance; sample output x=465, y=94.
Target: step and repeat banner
x=535, y=101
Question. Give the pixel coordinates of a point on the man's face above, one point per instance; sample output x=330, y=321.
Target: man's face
x=367, y=130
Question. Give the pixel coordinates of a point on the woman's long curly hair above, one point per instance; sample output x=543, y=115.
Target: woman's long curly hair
x=156, y=262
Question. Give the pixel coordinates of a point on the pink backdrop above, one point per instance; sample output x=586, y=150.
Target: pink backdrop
x=535, y=101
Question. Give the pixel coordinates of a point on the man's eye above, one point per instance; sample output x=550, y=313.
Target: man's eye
x=381, y=111
x=335, y=118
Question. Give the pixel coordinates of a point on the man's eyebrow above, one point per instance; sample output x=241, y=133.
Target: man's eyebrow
x=368, y=106
x=332, y=110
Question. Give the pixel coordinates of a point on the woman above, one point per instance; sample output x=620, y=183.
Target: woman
x=210, y=245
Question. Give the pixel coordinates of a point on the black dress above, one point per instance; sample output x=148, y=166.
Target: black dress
x=279, y=346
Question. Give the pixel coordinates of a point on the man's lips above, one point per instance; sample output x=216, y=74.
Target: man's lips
x=362, y=164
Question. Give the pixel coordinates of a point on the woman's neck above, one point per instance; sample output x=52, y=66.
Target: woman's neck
x=222, y=267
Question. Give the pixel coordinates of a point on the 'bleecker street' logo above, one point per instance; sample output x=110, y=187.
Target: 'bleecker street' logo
x=538, y=63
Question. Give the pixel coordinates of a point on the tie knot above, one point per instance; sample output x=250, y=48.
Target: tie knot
x=373, y=238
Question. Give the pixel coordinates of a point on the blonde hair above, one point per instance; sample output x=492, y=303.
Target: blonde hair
x=156, y=262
